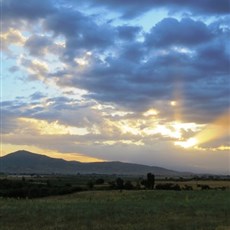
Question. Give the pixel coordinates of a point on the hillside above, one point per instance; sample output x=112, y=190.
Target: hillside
x=27, y=162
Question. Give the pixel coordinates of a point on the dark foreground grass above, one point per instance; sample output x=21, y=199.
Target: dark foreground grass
x=110, y=210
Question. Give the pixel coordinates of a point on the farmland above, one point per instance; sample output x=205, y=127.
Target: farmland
x=111, y=209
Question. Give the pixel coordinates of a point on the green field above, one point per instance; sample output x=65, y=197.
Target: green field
x=110, y=210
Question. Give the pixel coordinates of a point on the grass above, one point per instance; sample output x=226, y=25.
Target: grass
x=114, y=210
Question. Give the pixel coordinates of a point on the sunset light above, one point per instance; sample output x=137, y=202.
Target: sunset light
x=144, y=82
x=191, y=142
x=215, y=130
x=173, y=103
x=52, y=128
x=115, y=114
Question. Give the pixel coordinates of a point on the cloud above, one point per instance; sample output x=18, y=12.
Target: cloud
x=127, y=67
x=37, y=45
x=28, y=9
x=127, y=32
x=36, y=69
x=11, y=37
x=81, y=32
x=135, y=75
x=130, y=89
x=37, y=96
x=134, y=8
x=170, y=31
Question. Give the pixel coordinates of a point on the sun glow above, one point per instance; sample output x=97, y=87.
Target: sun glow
x=191, y=142
x=173, y=103
x=173, y=129
x=219, y=128
x=168, y=131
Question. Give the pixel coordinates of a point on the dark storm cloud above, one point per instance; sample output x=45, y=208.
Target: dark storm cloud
x=170, y=31
x=128, y=32
x=26, y=9
x=128, y=67
x=23, y=14
x=140, y=73
x=80, y=31
x=132, y=52
x=213, y=57
x=133, y=8
x=37, y=45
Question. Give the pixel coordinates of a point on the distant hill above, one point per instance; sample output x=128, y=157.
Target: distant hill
x=27, y=162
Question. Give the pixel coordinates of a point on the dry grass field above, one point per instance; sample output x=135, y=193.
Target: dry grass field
x=115, y=210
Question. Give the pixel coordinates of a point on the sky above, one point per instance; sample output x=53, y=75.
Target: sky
x=134, y=81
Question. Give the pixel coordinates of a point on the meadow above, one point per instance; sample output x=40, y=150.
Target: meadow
x=120, y=210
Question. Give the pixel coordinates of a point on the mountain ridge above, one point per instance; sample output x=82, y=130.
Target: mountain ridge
x=23, y=161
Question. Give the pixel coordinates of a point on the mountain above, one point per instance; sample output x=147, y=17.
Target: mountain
x=26, y=162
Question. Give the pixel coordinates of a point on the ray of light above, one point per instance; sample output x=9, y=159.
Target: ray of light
x=219, y=128
x=191, y=142
x=215, y=130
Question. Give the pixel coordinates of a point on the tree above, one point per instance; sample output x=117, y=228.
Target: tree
x=100, y=181
x=119, y=183
x=90, y=185
x=128, y=185
x=150, y=181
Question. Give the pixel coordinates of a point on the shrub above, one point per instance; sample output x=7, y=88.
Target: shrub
x=203, y=186
x=100, y=181
x=128, y=185
x=168, y=186
x=187, y=187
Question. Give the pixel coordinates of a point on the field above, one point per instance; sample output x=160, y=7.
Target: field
x=35, y=186
x=116, y=210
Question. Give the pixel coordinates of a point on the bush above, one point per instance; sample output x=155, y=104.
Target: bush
x=90, y=185
x=100, y=181
x=203, y=186
x=119, y=183
x=128, y=185
x=187, y=187
x=168, y=186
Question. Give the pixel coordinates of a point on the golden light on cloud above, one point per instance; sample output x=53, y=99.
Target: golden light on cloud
x=128, y=127
x=12, y=36
x=167, y=131
x=53, y=128
x=215, y=130
x=38, y=67
x=151, y=112
x=120, y=113
x=191, y=142
x=222, y=147
x=218, y=129
x=213, y=149
x=126, y=142
x=173, y=129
